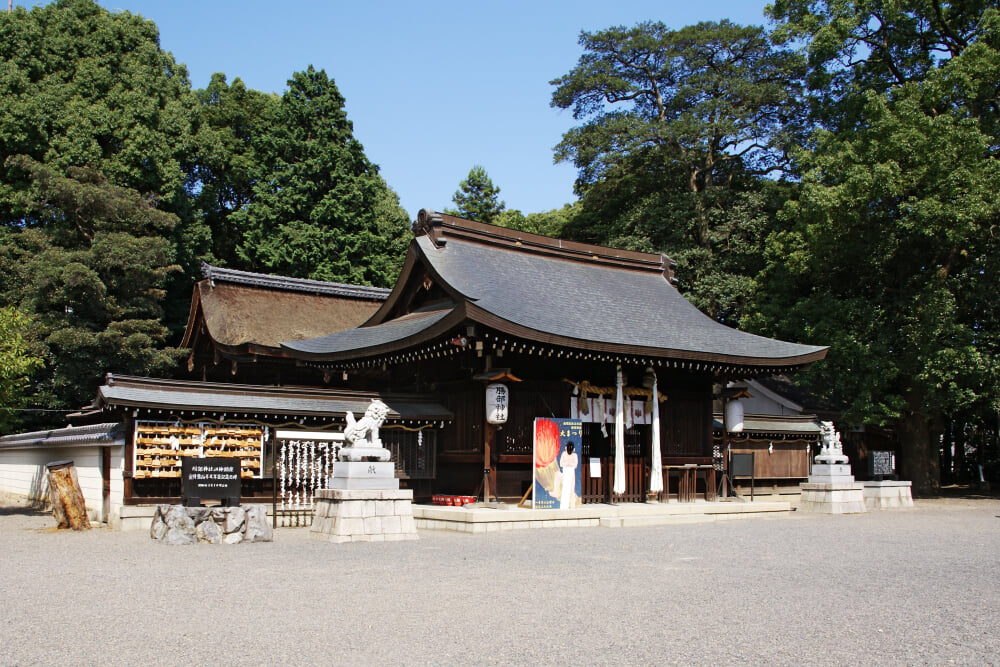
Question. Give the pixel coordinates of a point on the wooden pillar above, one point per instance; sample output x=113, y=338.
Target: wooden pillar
x=489, y=469
x=725, y=454
x=105, y=483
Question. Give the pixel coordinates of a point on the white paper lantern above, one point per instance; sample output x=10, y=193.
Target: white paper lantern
x=496, y=403
x=734, y=416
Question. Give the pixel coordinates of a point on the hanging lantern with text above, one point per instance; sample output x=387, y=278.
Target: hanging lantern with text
x=496, y=403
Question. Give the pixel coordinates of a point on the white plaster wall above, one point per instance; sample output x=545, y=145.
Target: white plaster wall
x=23, y=473
x=762, y=405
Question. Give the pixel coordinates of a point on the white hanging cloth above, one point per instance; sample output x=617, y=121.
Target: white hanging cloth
x=599, y=414
x=656, y=476
x=619, y=485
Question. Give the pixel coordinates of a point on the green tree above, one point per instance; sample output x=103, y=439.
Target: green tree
x=892, y=254
x=84, y=87
x=81, y=86
x=91, y=263
x=315, y=195
x=19, y=360
x=680, y=126
x=876, y=45
x=225, y=168
x=547, y=223
x=713, y=99
x=477, y=198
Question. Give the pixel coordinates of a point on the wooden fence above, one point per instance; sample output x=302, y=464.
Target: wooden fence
x=599, y=489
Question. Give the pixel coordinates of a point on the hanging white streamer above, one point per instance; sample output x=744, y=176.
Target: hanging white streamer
x=656, y=478
x=326, y=465
x=619, y=481
x=312, y=467
x=296, y=459
x=281, y=474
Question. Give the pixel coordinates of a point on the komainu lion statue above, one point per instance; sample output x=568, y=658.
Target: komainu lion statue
x=831, y=451
x=361, y=435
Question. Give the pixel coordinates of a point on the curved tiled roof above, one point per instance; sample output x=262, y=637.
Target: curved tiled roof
x=607, y=304
x=360, y=338
x=555, y=292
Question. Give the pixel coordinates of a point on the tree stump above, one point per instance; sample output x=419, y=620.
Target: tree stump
x=68, y=505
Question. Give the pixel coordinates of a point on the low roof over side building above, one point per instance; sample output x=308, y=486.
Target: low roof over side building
x=154, y=397
x=238, y=314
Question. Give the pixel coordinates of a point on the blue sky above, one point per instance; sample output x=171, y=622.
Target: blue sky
x=432, y=87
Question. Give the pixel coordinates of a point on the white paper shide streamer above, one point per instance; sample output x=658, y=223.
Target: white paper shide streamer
x=283, y=459
x=656, y=478
x=619, y=485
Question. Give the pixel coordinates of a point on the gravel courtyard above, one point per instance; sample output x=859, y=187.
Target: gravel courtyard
x=911, y=587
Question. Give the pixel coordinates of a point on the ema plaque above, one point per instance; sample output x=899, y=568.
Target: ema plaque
x=213, y=477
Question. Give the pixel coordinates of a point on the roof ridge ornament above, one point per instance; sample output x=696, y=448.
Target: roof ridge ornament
x=426, y=219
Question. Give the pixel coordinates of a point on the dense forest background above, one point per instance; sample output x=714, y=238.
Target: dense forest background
x=830, y=179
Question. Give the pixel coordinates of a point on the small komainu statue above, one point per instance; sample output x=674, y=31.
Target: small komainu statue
x=831, y=451
x=361, y=435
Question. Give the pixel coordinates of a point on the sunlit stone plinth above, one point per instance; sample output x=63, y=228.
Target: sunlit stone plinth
x=364, y=515
x=831, y=488
x=887, y=494
x=832, y=498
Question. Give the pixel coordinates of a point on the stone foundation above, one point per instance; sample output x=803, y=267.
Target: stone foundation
x=364, y=515
x=887, y=495
x=832, y=497
x=176, y=524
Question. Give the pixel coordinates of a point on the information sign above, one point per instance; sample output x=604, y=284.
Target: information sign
x=213, y=477
x=881, y=464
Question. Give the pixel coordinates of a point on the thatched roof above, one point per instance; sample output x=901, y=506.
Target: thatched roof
x=242, y=312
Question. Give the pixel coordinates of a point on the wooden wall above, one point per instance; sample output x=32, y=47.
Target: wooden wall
x=785, y=460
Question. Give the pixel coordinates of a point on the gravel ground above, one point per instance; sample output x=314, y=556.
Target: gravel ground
x=890, y=588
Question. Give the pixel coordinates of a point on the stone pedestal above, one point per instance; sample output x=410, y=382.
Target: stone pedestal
x=887, y=495
x=832, y=497
x=831, y=489
x=364, y=475
x=831, y=473
x=364, y=515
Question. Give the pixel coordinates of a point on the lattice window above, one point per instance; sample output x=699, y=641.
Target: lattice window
x=413, y=451
x=517, y=439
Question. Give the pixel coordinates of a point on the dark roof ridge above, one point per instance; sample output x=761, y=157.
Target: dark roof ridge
x=91, y=434
x=196, y=386
x=282, y=283
x=439, y=226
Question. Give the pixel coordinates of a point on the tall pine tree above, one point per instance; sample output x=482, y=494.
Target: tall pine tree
x=319, y=210
x=477, y=198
